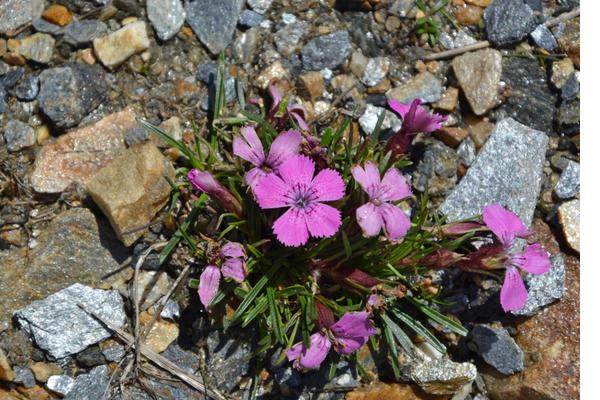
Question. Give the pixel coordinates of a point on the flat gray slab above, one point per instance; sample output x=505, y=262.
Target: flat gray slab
x=508, y=170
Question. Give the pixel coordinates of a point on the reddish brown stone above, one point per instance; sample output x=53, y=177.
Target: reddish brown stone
x=469, y=15
x=452, y=136
x=394, y=391
x=58, y=15
x=312, y=84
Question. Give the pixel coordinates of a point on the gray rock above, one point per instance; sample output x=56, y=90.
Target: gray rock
x=213, y=22
x=61, y=328
x=327, y=51
x=90, y=386
x=466, y=152
x=345, y=378
x=24, y=376
x=376, y=69
x=441, y=375
x=508, y=170
x=2, y=100
x=288, y=38
x=260, y=6
x=568, y=184
x=250, y=19
x=69, y=93
x=531, y=102
x=368, y=120
x=167, y=17
x=498, y=349
x=136, y=135
x=569, y=114
x=288, y=378
x=543, y=37
x=91, y=357
x=185, y=359
x=424, y=86
x=207, y=73
x=545, y=288
x=41, y=25
x=436, y=171
x=11, y=77
x=18, y=135
x=227, y=358
x=171, y=310
x=16, y=13
x=60, y=384
x=570, y=89
x=244, y=47
x=4, y=68
x=82, y=33
x=28, y=88
x=402, y=8
x=479, y=76
x=114, y=353
x=508, y=21
x=37, y=47
x=456, y=39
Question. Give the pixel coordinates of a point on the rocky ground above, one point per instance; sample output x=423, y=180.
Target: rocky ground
x=82, y=200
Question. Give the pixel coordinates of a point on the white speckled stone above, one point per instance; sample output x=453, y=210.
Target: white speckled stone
x=167, y=17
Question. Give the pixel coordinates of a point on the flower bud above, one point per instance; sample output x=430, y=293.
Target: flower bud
x=205, y=182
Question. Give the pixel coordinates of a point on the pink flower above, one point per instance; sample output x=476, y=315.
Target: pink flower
x=248, y=146
x=296, y=111
x=347, y=335
x=205, y=182
x=295, y=188
x=415, y=119
x=378, y=212
x=507, y=227
x=232, y=260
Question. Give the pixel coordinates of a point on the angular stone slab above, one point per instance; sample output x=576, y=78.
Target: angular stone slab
x=508, y=170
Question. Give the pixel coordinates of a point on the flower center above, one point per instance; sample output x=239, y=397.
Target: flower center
x=303, y=196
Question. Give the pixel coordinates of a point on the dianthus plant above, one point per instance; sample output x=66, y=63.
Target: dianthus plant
x=312, y=237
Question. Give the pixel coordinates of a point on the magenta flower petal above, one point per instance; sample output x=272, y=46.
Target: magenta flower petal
x=312, y=357
x=297, y=170
x=369, y=219
x=234, y=268
x=505, y=224
x=329, y=185
x=276, y=97
x=400, y=108
x=254, y=176
x=272, y=192
x=368, y=178
x=513, y=294
x=353, y=324
x=299, y=113
x=394, y=186
x=323, y=220
x=395, y=221
x=534, y=259
x=425, y=122
x=285, y=144
x=233, y=250
x=290, y=228
x=248, y=146
x=209, y=284
x=204, y=181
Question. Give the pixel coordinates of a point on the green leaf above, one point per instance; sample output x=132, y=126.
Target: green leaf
x=275, y=316
x=187, y=153
x=261, y=305
x=375, y=134
x=437, y=317
x=347, y=246
x=419, y=329
x=389, y=338
x=399, y=334
x=250, y=297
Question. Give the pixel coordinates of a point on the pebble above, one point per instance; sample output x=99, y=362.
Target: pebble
x=78, y=155
x=544, y=289
x=436, y=171
x=167, y=17
x=568, y=216
x=568, y=184
x=561, y=72
x=273, y=71
x=37, y=47
x=90, y=357
x=171, y=310
x=61, y=328
x=82, y=33
x=260, y=6
x=468, y=14
x=24, y=376
x=288, y=38
x=43, y=371
x=58, y=15
x=114, y=49
x=508, y=21
x=250, y=19
x=142, y=191
x=424, y=86
x=91, y=385
x=227, y=358
x=441, y=376
x=313, y=84
x=543, y=37
x=466, y=152
x=28, y=88
x=452, y=136
x=41, y=25
x=161, y=335
x=479, y=75
x=68, y=93
x=375, y=71
x=213, y=22
x=17, y=13
x=114, y=353
x=508, y=170
x=172, y=127
x=368, y=120
x=18, y=135
x=448, y=101
x=244, y=47
x=7, y=374
x=498, y=348
x=153, y=285
x=207, y=73
x=60, y=384
x=327, y=51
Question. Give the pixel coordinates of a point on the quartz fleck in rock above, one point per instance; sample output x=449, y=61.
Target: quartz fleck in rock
x=508, y=170
x=166, y=16
x=441, y=376
x=213, y=21
x=368, y=120
x=546, y=288
x=497, y=348
x=543, y=37
x=424, y=86
x=114, y=49
x=143, y=189
x=18, y=135
x=61, y=328
x=375, y=70
x=60, y=384
x=91, y=385
x=568, y=216
x=568, y=184
x=479, y=76
x=37, y=47
x=508, y=21
x=83, y=32
x=327, y=51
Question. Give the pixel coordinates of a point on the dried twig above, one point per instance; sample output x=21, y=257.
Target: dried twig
x=550, y=22
x=157, y=359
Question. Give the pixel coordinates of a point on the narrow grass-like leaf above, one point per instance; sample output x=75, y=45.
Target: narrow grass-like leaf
x=389, y=338
x=275, y=316
x=419, y=329
x=399, y=334
x=251, y=296
x=438, y=317
x=187, y=153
